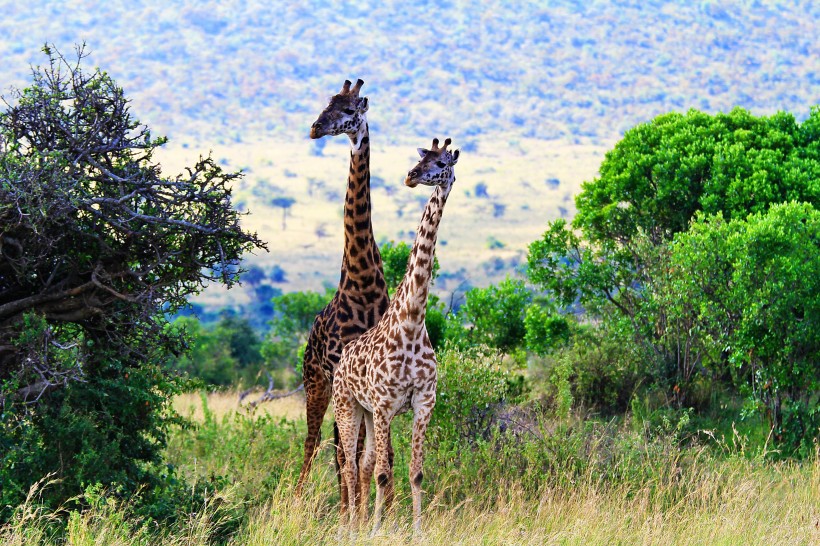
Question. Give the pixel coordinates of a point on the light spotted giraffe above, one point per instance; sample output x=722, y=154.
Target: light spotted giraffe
x=392, y=367
x=361, y=298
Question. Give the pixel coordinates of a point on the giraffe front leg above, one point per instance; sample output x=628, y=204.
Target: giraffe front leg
x=384, y=473
x=422, y=411
x=317, y=398
x=390, y=492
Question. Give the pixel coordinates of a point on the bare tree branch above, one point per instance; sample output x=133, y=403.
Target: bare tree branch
x=268, y=395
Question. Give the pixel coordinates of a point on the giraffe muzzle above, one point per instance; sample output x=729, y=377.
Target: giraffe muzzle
x=412, y=179
x=315, y=130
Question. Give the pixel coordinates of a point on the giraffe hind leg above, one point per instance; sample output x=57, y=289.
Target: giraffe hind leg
x=317, y=399
x=348, y=419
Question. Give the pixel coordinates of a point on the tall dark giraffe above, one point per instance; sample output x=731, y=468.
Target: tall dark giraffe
x=361, y=298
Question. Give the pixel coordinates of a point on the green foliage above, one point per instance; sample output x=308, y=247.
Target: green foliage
x=471, y=384
x=545, y=329
x=753, y=287
x=653, y=182
x=222, y=354
x=395, y=257
x=436, y=319
x=495, y=315
x=596, y=369
x=613, y=260
x=294, y=314
x=110, y=429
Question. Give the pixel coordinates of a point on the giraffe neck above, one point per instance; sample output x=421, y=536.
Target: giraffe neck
x=361, y=263
x=411, y=296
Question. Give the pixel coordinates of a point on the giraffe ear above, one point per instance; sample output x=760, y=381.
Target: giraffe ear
x=422, y=152
x=455, y=157
x=363, y=104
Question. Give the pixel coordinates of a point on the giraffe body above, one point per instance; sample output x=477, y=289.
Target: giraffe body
x=361, y=298
x=392, y=367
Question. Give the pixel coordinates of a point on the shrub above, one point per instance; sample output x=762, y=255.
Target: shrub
x=471, y=384
x=495, y=315
x=595, y=370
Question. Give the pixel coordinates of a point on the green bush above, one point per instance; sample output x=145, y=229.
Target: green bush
x=221, y=354
x=756, y=301
x=472, y=383
x=494, y=316
x=109, y=429
x=595, y=370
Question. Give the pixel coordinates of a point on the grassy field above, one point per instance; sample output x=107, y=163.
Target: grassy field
x=719, y=493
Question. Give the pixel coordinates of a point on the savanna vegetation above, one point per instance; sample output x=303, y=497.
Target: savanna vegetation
x=652, y=377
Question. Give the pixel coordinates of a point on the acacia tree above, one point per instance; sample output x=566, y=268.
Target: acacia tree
x=97, y=247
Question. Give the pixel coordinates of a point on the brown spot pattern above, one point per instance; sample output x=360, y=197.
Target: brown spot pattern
x=390, y=369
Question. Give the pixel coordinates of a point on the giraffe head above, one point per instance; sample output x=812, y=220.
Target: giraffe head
x=344, y=114
x=435, y=167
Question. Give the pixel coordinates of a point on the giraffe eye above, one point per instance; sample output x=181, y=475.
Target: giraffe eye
x=348, y=111
x=440, y=164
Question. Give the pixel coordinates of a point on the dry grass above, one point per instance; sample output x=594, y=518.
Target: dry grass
x=515, y=172
x=737, y=503
x=222, y=403
x=715, y=498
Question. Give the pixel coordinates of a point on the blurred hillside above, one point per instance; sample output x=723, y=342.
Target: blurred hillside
x=533, y=92
x=233, y=69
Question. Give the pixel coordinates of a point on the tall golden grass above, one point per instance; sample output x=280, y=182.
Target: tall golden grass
x=732, y=499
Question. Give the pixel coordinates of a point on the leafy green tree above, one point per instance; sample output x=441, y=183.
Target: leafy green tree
x=98, y=248
x=650, y=185
x=245, y=344
x=294, y=316
x=545, y=329
x=753, y=286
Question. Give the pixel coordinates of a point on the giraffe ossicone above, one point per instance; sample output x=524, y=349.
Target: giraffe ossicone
x=392, y=367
